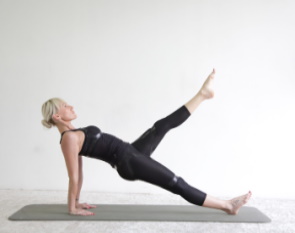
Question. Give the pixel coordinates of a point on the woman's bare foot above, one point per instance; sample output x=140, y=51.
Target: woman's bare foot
x=206, y=91
x=235, y=204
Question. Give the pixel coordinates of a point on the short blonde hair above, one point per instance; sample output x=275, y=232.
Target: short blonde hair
x=49, y=108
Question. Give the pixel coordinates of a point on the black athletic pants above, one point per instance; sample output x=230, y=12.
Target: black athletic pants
x=136, y=163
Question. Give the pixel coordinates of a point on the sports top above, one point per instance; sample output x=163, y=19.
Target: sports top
x=100, y=145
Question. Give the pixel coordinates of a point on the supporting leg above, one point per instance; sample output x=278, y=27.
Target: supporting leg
x=138, y=167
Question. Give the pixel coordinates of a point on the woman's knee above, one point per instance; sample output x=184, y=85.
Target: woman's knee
x=161, y=127
x=177, y=185
x=189, y=193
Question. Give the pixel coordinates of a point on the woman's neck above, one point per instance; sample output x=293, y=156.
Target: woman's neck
x=64, y=127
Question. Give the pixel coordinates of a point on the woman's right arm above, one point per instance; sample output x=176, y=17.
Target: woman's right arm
x=70, y=149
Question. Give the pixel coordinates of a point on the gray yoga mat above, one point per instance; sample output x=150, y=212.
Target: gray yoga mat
x=181, y=213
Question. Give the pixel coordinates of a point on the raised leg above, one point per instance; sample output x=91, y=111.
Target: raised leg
x=151, y=138
x=147, y=143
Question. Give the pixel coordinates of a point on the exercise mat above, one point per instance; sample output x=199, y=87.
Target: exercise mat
x=180, y=213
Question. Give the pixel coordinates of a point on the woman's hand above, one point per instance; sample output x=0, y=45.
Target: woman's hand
x=84, y=206
x=81, y=212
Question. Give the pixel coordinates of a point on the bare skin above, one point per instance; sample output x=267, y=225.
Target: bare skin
x=72, y=143
x=231, y=207
x=236, y=203
x=206, y=92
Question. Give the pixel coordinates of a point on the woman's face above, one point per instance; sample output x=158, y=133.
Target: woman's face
x=66, y=112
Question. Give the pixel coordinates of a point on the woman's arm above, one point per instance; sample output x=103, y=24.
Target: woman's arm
x=80, y=182
x=70, y=149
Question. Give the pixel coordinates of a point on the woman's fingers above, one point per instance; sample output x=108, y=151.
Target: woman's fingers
x=88, y=206
x=82, y=212
x=92, y=206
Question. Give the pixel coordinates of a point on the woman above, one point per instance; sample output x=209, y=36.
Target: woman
x=132, y=161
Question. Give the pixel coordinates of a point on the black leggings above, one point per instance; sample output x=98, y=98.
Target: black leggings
x=136, y=163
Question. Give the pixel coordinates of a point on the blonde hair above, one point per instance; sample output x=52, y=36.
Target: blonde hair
x=49, y=108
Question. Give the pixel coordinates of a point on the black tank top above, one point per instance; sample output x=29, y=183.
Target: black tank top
x=100, y=145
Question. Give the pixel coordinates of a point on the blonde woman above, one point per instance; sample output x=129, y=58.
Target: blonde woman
x=132, y=161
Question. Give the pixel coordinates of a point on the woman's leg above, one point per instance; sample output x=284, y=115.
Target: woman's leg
x=150, y=139
x=135, y=166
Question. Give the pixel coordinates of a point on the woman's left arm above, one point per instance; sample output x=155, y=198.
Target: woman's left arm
x=80, y=183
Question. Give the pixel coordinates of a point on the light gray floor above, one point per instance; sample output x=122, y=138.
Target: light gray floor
x=282, y=213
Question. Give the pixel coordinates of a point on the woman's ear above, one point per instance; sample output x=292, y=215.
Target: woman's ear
x=56, y=117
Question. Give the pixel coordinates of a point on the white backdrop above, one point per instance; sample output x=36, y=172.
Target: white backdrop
x=125, y=64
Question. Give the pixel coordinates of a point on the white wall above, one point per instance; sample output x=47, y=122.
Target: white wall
x=125, y=64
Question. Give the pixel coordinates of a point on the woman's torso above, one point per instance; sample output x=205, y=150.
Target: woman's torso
x=95, y=144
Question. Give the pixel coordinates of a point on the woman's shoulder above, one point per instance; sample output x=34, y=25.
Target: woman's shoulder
x=69, y=137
